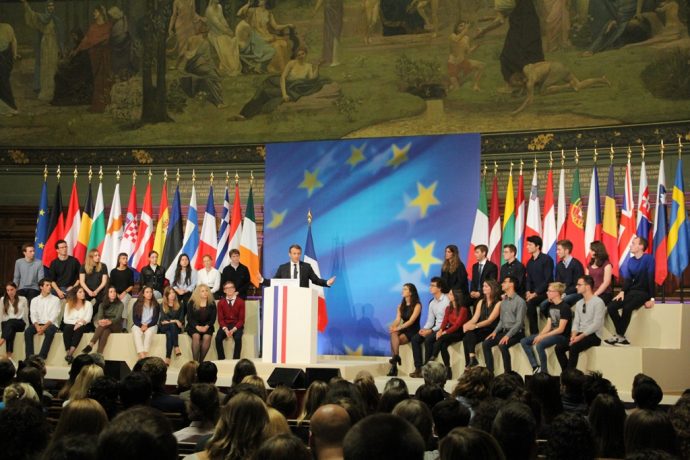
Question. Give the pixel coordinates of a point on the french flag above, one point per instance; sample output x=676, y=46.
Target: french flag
x=209, y=236
x=562, y=210
x=310, y=258
x=644, y=213
x=550, y=235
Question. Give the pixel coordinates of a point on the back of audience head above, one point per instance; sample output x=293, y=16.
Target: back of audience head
x=366, y=386
x=25, y=430
x=383, y=437
x=283, y=447
x=646, y=392
x=434, y=373
x=138, y=434
x=72, y=447
x=607, y=421
x=35, y=361
x=485, y=413
x=157, y=371
x=135, y=389
x=430, y=395
x=680, y=418
x=474, y=384
x=394, y=392
x=7, y=372
x=82, y=416
x=507, y=386
x=515, y=429
x=187, y=376
x=284, y=400
x=234, y=390
x=239, y=431
x=75, y=368
x=449, y=414
x=207, y=372
x=329, y=425
x=595, y=384
x=277, y=423
x=570, y=438
x=545, y=391
x=243, y=368
x=572, y=382
x=18, y=391
x=313, y=398
x=203, y=405
x=105, y=390
x=84, y=380
x=258, y=383
x=33, y=377
x=650, y=429
x=466, y=442
x=419, y=415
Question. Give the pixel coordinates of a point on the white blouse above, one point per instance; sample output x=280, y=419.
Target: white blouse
x=21, y=313
x=72, y=315
x=210, y=278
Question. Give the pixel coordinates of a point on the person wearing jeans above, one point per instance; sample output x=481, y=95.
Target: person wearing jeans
x=590, y=313
x=556, y=331
x=510, y=329
x=171, y=322
x=44, y=312
x=108, y=319
x=427, y=335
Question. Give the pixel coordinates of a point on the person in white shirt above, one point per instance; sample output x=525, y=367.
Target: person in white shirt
x=209, y=275
x=44, y=313
x=14, y=316
x=76, y=320
x=184, y=281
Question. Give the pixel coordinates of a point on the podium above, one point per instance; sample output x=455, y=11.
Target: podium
x=289, y=323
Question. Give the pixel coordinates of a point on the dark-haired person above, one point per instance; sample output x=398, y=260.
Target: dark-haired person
x=108, y=319
x=482, y=270
x=465, y=442
x=243, y=368
x=570, y=438
x=157, y=371
x=122, y=277
x=43, y=313
x=201, y=316
x=515, y=429
x=539, y=275
x=93, y=277
x=453, y=271
x=510, y=328
x=456, y=315
x=27, y=271
x=171, y=322
x=449, y=414
x=231, y=311
x=601, y=270
x=138, y=434
x=607, y=421
x=296, y=269
x=513, y=267
x=638, y=290
x=63, y=271
x=25, y=430
x=427, y=334
x=646, y=393
x=135, y=390
x=383, y=437
x=153, y=275
x=145, y=315
x=590, y=314
x=555, y=332
x=419, y=415
x=14, y=316
x=650, y=429
x=406, y=324
x=483, y=322
x=203, y=410
x=236, y=272
x=568, y=271
x=184, y=281
x=572, y=397
x=76, y=320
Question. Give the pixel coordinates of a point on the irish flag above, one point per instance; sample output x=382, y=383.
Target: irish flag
x=249, y=247
x=480, y=231
x=97, y=235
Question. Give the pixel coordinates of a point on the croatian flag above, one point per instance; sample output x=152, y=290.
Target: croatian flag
x=310, y=258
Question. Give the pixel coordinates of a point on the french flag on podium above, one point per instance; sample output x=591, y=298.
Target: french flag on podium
x=310, y=258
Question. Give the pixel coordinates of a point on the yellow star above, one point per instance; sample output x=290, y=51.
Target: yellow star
x=359, y=351
x=425, y=198
x=41, y=212
x=357, y=156
x=423, y=256
x=277, y=219
x=41, y=245
x=399, y=155
x=310, y=181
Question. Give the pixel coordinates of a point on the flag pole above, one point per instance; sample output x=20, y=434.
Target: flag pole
x=680, y=156
x=663, y=285
x=309, y=217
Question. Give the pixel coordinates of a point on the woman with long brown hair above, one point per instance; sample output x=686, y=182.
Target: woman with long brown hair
x=171, y=322
x=108, y=319
x=76, y=320
x=456, y=315
x=453, y=271
x=601, y=270
x=145, y=316
x=201, y=316
x=405, y=325
x=483, y=321
x=14, y=316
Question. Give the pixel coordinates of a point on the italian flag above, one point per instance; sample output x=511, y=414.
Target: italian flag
x=480, y=231
x=249, y=248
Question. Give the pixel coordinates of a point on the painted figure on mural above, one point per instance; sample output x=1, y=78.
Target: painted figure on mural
x=431, y=16
x=8, y=56
x=332, y=29
x=666, y=26
x=371, y=10
x=255, y=53
x=97, y=42
x=400, y=17
x=223, y=40
x=460, y=66
x=615, y=23
x=202, y=75
x=123, y=64
x=74, y=79
x=48, y=47
x=184, y=23
x=259, y=15
x=556, y=24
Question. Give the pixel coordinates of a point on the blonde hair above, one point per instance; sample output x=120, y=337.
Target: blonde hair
x=88, y=263
x=277, y=423
x=258, y=382
x=17, y=391
x=83, y=382
x=196, y=296
x=85, y=416
x=165, y=306
x=558, y=287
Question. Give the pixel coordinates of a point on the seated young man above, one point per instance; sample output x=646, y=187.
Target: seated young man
x=231, y=311
x=568, y=271
x=427, y=335
x=510, y=329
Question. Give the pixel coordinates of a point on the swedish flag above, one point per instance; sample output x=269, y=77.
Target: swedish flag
x=679, y=232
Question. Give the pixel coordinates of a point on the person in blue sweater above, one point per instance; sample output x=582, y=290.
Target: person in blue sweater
x=568, y=271
x=638, y=290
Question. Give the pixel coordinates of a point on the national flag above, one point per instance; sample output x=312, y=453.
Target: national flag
x=520, y=215
x=72, y=221
x=129, y=237
x=174, y=236
x=97, y=234
x=113, y=232
x=627, y=227
x=236, y=221
x=144, y=244
x=509, y=216
x=561, y=221
x=249, y=247
x=84, y=229
x=679, y=232
x=42, y=220
x=550, y=234
x=222, y=256
x=609, y=230
x=208, y=245
x=495, y=226
x=190, y=243
x=533, y=226
x=162, y=224
x=56, y=228
x=575, y=228
x=480, y=230
x=593, y=223
x=660, y=229
x=644, y=212
x=310, y=258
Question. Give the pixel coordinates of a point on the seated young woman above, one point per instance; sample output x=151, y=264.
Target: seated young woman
x=108, y=319
x=171, y=322
x=405, y=325
x=145, y=317
x=201, y=316
x=76, y=320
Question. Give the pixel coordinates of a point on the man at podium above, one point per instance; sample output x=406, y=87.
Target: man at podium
x=296, y=269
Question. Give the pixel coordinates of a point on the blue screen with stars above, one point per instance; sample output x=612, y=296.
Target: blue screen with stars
x=383, y=211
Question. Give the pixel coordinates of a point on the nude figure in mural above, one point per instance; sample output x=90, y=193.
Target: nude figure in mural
x=460, y=66
x=550, y=77
x=184, y=23
x=670, y=30
x=430, y=17
x=372, y=9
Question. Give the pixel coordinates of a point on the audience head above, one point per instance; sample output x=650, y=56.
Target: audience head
x=394, y=392
x=33, y=377
x=515, y=429
x=607, y=420
x=86, y=376
x=507, y=386
x=283, y=446
x=572, y=382
x=207, y=372
x=680, y=418
x=284, y=400
x=364, y=382
x=138, y=434
x=157, y=370
x=239, y=431
x=246, y=388
x=313, y=398
x=72, y=447
x=383, y=437
x=430, y=395
x=7, y=372
x=203, y=405
x=37, y=362
x=595, y=384
x=82, y=416
x=135, y=389
x=646, y=392
x=449, y=414
x=277, y=423
x=25, y=430
x=19, y=391
x=474, y=384
x=485, y=413
x=258, y=383
x=243, y=368
x=419, y=415
x=105, y=390
x=471, y=443
x=329, y=425
x=187, y=376
x=545, y=391
x=570, y=438
x=650, y=429
x=434, y=373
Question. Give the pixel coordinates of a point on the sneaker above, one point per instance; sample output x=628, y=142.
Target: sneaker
x=612, y=341
x=623, y=342
x=536, y=369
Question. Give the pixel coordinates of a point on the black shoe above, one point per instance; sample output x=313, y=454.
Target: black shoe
x=69, y=359
x=474, y=362
x=449, y=373
x=395, y=359
x=392, y=372
x=87, y=349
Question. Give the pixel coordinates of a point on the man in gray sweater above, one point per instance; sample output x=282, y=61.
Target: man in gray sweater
x=27, y=271
x=590, y=313
x=511, y=325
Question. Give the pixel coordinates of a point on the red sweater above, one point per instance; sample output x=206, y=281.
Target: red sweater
x=231, y=315
x=452, y=321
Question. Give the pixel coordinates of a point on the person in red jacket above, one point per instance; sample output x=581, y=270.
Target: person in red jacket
x=457, y=313
x=230, y=320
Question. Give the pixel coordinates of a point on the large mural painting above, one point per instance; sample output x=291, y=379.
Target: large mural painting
x=183, y=72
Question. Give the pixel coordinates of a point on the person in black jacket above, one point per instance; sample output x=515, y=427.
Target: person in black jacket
x=482, y=270
x=237, y=273
x=513, y=267
x=453, y=271
x=295, y=269
x=539, y=275
x=568, y=271
x=153, y=275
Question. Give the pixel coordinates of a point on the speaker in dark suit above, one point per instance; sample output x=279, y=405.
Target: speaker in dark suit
x=296, y=268
x=489, y=272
